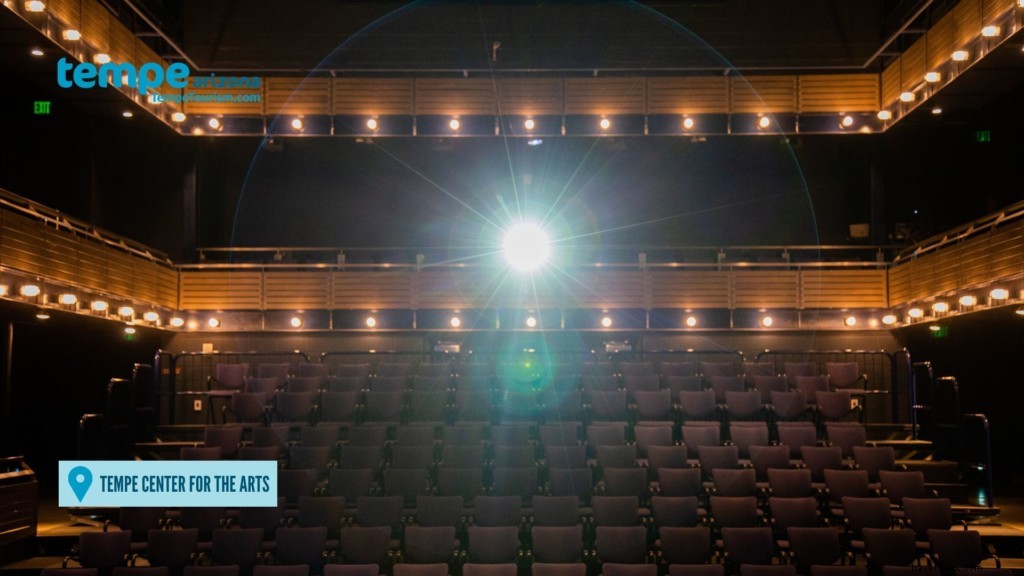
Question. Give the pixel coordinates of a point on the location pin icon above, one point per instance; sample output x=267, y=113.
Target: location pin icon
x=80, y=478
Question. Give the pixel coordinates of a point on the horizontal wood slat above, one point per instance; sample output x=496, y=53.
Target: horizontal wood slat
x=839, y=93
x=297, y=95
x=453, y=96
x=526, y=96
x=371, y=290
x=688, y=95
x=605, y=96
x=218, y=290
x=915, y=65
x=296, y=290
x=372, y=96
x=767, y=94
x=689, y=289
x=843, y=289
x=941, y=42
x=891, y=82
x=764, y=288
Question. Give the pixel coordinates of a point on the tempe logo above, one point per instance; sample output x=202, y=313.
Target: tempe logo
x=148, y=77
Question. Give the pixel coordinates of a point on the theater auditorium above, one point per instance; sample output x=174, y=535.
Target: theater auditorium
x=524, y=288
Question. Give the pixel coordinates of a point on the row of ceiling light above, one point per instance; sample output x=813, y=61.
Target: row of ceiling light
x=688, y=123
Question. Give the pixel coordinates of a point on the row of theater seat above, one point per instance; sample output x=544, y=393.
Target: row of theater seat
x=600, y=546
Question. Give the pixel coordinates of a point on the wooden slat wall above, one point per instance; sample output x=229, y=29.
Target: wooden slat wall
x=891, y=81
x=96, y=25
x=450, y=289
x=220, y=290
x=605, y=289
x=525, y=96
x=605, y=95
x=297, y=96
x=57, y=255
x=455, y=96
x=978, y=260
x=838, y=93
x=373, y=96
x=371, y=290
x=764, y=288
x=967, y=15
x=688, y=95
x=66, y=10
x=843, y=289
x=768, y=94
x=915, y=65
x=689, y=289
x=941, y=42
x=296, y=290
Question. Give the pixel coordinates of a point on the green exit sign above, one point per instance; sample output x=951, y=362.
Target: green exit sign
x=939, y=331
x=41, y=107
x=983, y=135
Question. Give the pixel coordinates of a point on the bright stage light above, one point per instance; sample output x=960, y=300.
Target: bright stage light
x=526, y=247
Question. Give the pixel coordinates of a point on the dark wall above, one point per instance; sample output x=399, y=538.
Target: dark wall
x=983, y=350
x=59, y=371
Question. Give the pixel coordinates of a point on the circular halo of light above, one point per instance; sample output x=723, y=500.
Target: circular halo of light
x=850, y=321
x=968, y=300
x=371, y=322
x=151, y=316
x=297, y=124
x=999, y=294
x=941, y=307
x=606, y=321
x=529, y=124
x=213, y=322
x=99, y=306
x=454, y=124
x=531, y=322
x=296, y=322
x=767, y=321
x=688, y=123
x=889, y=319
x=129, y=330
x=915, y=313
x=455, y=322
x=526, y=247
x=126, y=311
x=605, y=123
x=371, y=123
x=691, y=321
x=177, y=322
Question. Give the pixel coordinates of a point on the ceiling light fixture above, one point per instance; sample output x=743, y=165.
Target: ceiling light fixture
x=961, y=56
x=889, y=319
x=213, y=322
x=178, y=117
x=101, y=58
x=371, y=322
x=177, y=322
x=454, y=124
x=67, y=299
x=688, y=123
x=884, y=115
x=991, y=31
x=908, y=96
x=968, y=301
x=99, y=306
x=529, y=124
x=371, y=123
x=151, y=316
x=605, y=124
x=932, y=77
x=35, y=6
x=71, y=34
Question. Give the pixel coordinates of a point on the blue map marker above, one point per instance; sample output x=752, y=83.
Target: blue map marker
x=80, y=478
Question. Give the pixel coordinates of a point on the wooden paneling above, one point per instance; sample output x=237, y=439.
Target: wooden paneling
x=455, y=96
x=372, y=96
x=843, y=289
x=450, y=289
x=371, y=290
x=297, y=95
x=891, y=81
x=688, y=95
x=967, y=15
x=66, y=10
x=605, y=96
x=978, y=260
x=689, y=289
x=22, y=245
x=764, y=288
x=296, y=290
x=826, y=93
x=941, y=42
x=95, y=25
x=219, y=290
x=914, y=65
x=604, y=289
x=526, y=96
x=767, y=94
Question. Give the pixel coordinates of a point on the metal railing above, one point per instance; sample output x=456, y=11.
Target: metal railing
x=888, y=373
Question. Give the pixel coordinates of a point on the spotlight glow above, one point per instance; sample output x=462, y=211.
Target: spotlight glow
x=371, y=322
x=37, y=52
x=884, y=115
x=847, y=121
x=990, y=31
x=296, y=322
x=688, y=123
x=691, y=321
x=908, y=96
x=606, y=322
x=213, y=123
x=999, y=294
x=455, y=322
x=129, y=330
x=297, y=124
x=940, y=307
x=968, y=301
x=35, y=6
x=767, y=321
x=101, y=58
x=889, y=319
x=30, y=291
x=178, y=117
x=454, y=124
x=764, y=122
x=151, y=317
x=99, y=306
x=126, y=311
x=850, y=321
x=932, y=77
x=177, y=322
x=213, y=322
x=915, y=313
x=371, y=124
x=529, y=124
x=68, y=299
x=605, y=124
x=526, y=247
x=531, y=322
x=961, y=56
x=71, y=34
